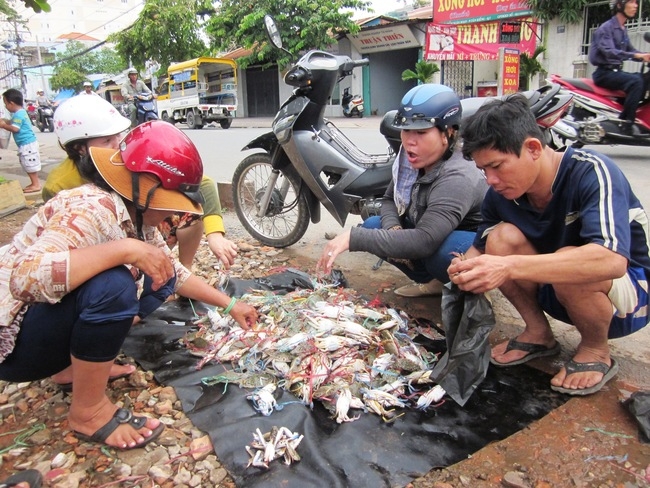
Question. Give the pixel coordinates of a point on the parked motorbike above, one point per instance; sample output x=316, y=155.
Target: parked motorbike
x=307, y=161
x=594, y=115
x=145, y=108
x=352, y=105
x=45, y=118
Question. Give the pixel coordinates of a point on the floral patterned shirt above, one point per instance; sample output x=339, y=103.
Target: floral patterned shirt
x=35, y=266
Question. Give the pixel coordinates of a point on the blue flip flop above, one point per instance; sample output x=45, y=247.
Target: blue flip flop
x=573, y=367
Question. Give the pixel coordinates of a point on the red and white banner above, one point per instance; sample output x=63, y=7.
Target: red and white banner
x=474, y=42
x=466, y=11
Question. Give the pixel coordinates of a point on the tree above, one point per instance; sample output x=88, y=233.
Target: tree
x=569, y=11
x=303, y=24
x=166, y=31
x=529, y=66
x=423, y=73
x=76, y=62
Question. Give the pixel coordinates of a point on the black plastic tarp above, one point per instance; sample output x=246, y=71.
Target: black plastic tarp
x=364, y=453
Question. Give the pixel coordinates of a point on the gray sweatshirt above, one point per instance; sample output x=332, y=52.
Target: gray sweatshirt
x=455, y=190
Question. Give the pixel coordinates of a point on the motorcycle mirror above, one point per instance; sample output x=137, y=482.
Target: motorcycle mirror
x=646, y=37
x=272, y=31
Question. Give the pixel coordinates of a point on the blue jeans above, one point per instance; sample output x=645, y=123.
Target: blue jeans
x=89, y=323
x=434, y=265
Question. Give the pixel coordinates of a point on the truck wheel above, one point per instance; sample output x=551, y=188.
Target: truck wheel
x=190, y=120
x=225, y=123
x=287, y=216
x=167, y=118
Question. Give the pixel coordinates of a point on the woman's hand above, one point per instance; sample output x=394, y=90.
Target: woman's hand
x=335, y=247
x=244, y=314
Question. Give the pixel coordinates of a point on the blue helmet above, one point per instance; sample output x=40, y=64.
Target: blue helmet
x=429, y=105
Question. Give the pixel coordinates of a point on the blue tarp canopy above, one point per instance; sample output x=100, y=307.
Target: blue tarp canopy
x=64, y=95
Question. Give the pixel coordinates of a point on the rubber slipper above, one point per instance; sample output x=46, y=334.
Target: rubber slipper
x=533, y=350
x=67, y=387
x=572, y=367
x=122, y=416
x=29, y=191
x=31, y=476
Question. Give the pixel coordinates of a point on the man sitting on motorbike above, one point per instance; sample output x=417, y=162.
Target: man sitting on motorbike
x=130, y=88
x=432, y=206
x=610, y=46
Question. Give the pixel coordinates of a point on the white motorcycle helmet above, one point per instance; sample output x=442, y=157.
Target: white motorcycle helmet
x=86, y=118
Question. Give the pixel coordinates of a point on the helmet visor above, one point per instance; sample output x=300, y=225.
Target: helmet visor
x=111, y=167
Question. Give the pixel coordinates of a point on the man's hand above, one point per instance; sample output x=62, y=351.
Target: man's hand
x=479, y=274
x=224, y=249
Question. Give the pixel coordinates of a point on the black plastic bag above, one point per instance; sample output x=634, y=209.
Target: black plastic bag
x=467, y=319
x=286, y=281
x=639, y=405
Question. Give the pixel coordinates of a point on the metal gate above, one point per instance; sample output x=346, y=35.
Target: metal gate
x=458, y=76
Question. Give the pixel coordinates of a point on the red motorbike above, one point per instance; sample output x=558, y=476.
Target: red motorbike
x=594, y=115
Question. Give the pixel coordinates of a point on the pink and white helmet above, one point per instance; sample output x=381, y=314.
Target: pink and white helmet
x=86, y=118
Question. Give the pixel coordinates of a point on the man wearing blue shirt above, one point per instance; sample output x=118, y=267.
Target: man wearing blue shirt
x=610, y=46
x=562, y=233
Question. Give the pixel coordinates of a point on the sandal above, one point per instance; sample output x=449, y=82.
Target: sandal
x=533, y=350
x=572, y=367
x=32, y=477
x=121, y=416
x=67, y=387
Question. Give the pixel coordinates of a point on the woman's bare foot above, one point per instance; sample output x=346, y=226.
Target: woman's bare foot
x=88, y=421
x=32, y=189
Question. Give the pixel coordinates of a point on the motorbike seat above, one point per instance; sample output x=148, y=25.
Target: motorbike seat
x=588, y=85
x=387, y=130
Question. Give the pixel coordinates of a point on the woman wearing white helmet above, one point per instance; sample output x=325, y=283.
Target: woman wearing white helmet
x=79, y=123
x=82, y=122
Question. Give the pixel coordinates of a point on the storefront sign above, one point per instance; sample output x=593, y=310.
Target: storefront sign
x=509, y=32
x=474, y=42
x=509, y=69
x=384, y=39
x=466, y=11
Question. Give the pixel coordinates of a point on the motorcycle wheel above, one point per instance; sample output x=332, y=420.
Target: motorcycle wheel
x=360, y=114
x=286, y=219
x=50, y=125
x=40, y=126
x=347, y=114
x=225, y=123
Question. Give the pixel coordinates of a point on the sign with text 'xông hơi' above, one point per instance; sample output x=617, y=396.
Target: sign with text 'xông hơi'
x=474, y=42
x=466, y=11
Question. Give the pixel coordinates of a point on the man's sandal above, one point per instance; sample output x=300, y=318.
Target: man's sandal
x=120, y=417
x=32, y=477
x=533, y=350
x=572, y=367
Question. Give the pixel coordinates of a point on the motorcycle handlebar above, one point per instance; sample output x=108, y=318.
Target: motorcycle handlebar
x=361, y=62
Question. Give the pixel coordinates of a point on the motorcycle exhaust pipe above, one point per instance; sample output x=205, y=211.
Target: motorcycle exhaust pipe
x=565, y=130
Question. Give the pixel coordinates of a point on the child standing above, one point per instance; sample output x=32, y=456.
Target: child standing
x=21, y=127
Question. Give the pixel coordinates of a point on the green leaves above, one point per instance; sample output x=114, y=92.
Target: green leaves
x=38, y=5
x=423, y=73
x=303, y=24
x=166, y=31
x=569, y=11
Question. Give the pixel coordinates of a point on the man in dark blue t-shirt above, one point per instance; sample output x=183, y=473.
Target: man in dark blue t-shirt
x=562, y=233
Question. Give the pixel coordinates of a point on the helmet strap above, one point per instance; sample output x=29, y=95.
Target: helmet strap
x=140, y=209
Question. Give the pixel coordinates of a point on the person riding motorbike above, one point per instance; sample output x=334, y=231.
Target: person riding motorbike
x=42, y=100
x=129, y=89
x=610, y=46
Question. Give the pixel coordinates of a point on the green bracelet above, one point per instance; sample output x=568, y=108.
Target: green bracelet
x=227, y=310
